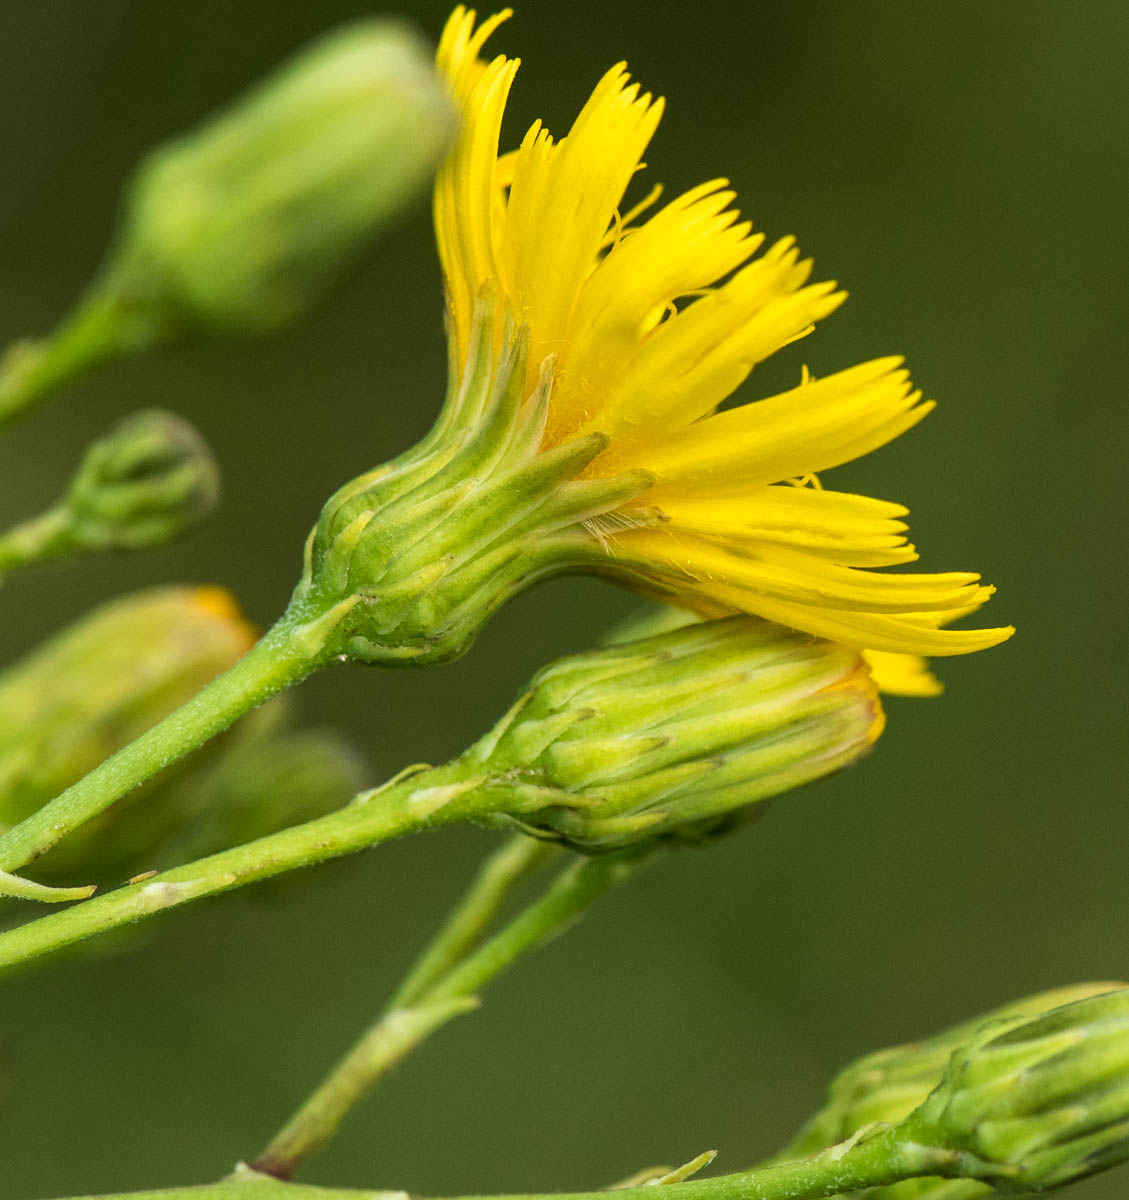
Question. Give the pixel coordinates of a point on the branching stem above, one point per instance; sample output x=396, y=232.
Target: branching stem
x=420, y=1007
x=278, y=660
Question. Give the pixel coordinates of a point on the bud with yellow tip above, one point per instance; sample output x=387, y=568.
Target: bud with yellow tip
x=94, y=687
x=680, y=735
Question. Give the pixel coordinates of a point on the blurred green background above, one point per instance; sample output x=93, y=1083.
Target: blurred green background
x=962, y=168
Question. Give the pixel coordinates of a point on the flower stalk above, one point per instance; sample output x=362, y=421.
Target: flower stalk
x=879, y=1160
x=274, y=663
x=419, y=1009
x=428, y=799
x=673, y=736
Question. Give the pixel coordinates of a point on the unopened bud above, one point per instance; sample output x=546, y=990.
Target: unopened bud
x=243, y=223
x=95, y=687
x=679, y=736
x=888, y=1085
x=143, y=484
x=1030, y=1104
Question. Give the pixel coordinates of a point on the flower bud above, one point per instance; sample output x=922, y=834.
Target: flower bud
x=888, y=1085
x=1032, y=1103
x=242, y=224
x=678, y=736
x=146, y=482
x=93, y=688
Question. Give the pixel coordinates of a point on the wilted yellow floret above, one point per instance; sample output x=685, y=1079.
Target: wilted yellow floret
x=652, y=326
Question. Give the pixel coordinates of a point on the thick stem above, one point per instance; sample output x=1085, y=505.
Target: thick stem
x=440, y=796
x=276, y=662
x=843, y=1169
x=245, y=1186
x=874, y=1162
x=406, y=1023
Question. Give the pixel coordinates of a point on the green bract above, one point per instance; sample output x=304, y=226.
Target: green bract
x=407, y=562
x=888, y=1085
x=144, y=483
x=147, y=481
x=679, y=735
x=1033, y=1103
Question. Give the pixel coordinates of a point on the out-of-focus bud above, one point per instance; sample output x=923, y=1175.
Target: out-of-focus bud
x=243, y=223
x=92, y=689
x=1030, y=1104
x=143, y=484
x=679, y=736
x=888, y=1085
x=147, y=481
x=263, y=783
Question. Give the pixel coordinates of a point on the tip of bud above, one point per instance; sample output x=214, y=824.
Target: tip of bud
x=150, y=479
x=218, y=602
x=1033, y=1102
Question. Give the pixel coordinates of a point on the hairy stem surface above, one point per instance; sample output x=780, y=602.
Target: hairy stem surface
x=437, y=796
x=873, y=1162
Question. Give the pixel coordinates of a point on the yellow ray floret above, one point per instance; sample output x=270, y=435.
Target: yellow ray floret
x=648, y=326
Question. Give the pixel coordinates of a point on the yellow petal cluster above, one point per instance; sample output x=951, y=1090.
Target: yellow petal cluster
x=652, y=325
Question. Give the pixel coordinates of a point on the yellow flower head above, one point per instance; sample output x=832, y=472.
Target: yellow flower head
x=651, y=325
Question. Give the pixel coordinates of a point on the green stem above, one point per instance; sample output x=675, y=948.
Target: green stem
x=404, y=1026
x=397, y=1033
x=274, y=663
x=438, y=796
x=874, y=1162
x=474, y=912
x=34, y=540
x=118, y=314
x=95, y=331
x=247, y=1187
x=574, y=889
x=843, y=1169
